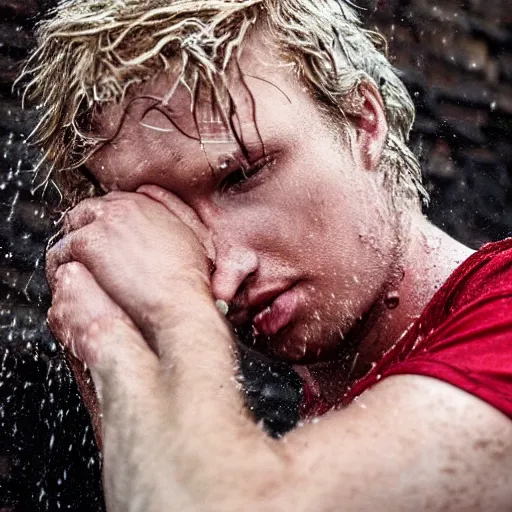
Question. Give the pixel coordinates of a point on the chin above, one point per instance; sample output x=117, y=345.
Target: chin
x=281, y=347
x=297, y=343
x=301, y=345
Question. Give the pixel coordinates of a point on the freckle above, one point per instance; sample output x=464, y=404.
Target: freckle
x=482, y=444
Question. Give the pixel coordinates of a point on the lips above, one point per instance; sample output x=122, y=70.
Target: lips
x=277, y=315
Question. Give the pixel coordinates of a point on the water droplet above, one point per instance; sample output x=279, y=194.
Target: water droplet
x=392, y=300
x=222, y=306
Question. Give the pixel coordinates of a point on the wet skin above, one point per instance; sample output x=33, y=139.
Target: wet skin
x=304, y=214
x=132, y=293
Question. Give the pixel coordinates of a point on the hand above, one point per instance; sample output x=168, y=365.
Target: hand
x=124, y=239
x=175, y=436
x=148, y=251
x=169, y=415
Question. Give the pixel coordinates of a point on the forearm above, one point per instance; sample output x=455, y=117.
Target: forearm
x=214, y=423
x=197, y=356
x=179, y=390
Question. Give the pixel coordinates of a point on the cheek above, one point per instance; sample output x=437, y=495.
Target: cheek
x=312, y=220
x=288, y=213
x=278, y=229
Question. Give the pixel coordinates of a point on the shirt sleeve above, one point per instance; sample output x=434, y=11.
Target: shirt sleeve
x=471, y=349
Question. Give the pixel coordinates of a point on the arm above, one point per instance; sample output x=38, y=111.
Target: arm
x=411, y=443
x=176, y=434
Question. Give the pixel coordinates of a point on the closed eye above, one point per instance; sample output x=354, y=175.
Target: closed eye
x=237, y=179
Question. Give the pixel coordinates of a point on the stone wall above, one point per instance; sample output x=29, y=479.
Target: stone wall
x=455, y=57
x=48, y=458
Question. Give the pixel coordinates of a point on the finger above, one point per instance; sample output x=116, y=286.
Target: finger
x=184, y=212
x=68, y=249
x=91, y=209
x=84, y=213
x=78, y=302
x=91, y=325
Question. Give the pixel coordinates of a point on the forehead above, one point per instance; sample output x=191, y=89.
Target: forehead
x=186, y=132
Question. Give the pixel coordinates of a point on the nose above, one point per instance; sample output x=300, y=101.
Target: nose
x=233, y=266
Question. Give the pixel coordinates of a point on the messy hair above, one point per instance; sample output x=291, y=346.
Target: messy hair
x=91, y=53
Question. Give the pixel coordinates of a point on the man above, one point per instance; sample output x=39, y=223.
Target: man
x=253, y=154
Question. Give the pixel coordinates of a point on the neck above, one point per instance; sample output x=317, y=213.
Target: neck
x=428, y=260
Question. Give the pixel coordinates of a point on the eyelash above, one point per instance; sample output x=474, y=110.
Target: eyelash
x=245, y=175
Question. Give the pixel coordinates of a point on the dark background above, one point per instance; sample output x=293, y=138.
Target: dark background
x=456, y=58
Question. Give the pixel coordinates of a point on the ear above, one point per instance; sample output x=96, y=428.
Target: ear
x=371, y=126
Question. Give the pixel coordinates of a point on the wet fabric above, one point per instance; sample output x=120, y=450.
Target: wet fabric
x=463, y=337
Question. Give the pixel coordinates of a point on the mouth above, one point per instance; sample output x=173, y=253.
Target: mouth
x=276, y=315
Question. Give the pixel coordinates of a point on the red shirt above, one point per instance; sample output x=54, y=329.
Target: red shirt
x=463, y=336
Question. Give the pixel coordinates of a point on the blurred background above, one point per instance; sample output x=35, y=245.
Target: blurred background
x=455, y=56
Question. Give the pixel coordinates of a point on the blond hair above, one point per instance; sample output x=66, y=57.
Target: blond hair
x=91, y=52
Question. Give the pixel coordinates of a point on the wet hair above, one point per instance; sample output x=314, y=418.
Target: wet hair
x=91, y=53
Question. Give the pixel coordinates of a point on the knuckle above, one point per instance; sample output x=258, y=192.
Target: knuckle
x=116, y=194
x=60, y=274
x=86, y=244
x=73, y=269
x=63, y=273
x=97, y=207
x=67, y=274
x=51, y=254
x=79, y=245
x=90, y=203
x=67, y=221
x=90, y=208
x=119, y=211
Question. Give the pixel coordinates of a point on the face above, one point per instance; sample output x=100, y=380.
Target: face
x=303, y=232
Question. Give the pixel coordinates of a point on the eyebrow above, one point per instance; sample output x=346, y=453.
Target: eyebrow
x=253, y=150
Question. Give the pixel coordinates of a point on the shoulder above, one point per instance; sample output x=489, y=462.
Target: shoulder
x=464, y=336
x=485, y=273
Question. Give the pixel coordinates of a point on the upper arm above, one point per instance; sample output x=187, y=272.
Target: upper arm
x=411, y=443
